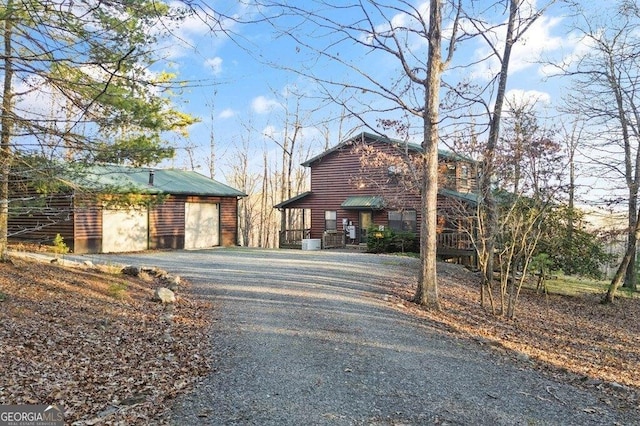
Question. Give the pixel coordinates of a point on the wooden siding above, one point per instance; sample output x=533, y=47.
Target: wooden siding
x=345, y=173
x=359, y=170
x=37, y=218
x=80, y=222
x=87, y=220
x=166, y=224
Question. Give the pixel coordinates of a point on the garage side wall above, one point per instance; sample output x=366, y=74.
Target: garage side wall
x=166, y=224
x=87, y=230
x=37, y=218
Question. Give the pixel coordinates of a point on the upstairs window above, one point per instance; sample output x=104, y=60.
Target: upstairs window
x=464, y=176
x=330, y=220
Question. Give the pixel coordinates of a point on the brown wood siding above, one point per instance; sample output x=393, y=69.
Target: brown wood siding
x=351, y=171
x=229, y=221
x=166, y=224
x=38, y=218
x=87, y=218
x=79, y=221
x=342, y=174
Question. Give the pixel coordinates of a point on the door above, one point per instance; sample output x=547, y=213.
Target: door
x=366, y=220
x=201, y=225
x=125, y=230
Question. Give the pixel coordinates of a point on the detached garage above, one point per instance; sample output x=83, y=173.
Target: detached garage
x=113, y=208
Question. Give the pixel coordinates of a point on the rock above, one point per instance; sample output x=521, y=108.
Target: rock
x=617, y=386
x=164, y=295
x=133, y=271
x=171, y=282
x=88, y=264
x=102, y=324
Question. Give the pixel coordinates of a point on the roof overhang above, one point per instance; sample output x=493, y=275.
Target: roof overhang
x=287, y=203
x=467, y=197
x=363, y=202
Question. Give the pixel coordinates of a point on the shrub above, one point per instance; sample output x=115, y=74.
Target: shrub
x=388, y=241
x=59, y=246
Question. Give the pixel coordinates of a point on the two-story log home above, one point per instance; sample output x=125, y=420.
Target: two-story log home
x=373, y=180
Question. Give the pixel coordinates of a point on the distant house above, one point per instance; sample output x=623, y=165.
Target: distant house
x=95, y=212
x=366, y=180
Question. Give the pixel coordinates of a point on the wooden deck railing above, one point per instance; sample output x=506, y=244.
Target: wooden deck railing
x=447, y=242
x=292, y=238
x=455, y=240
x=332, y=239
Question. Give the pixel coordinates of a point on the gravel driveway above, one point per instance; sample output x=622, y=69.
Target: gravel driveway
x=305, y=337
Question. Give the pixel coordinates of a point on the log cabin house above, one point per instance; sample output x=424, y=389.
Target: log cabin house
x=95, y=211
x=371, y=180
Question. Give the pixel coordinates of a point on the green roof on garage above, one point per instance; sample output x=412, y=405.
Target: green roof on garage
x=123, y=179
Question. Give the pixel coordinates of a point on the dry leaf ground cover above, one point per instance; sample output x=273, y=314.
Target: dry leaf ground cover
x=572, y=337
x=95, y=344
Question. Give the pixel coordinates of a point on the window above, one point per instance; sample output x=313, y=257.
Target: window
x=330, y=221
x=464, y=176
x=404, y=220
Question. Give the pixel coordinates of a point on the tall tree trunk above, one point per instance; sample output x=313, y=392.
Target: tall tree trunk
x=490, y=210
x=427, y=291
x=630, y=276
x=629, y=256
x=5, y=134
x=632, y=170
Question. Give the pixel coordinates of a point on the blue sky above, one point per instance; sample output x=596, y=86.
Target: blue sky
x=239, y=97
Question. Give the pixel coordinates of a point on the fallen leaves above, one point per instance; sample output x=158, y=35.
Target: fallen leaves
x=573, y=338
x=69, y=338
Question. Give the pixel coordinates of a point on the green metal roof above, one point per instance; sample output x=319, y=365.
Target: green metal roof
x=122, y=179
x=372, y=202
x=292, y=200
x=365, y=136
x=465, y=196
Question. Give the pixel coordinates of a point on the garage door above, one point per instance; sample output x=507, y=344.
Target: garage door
x=124, y=230
x=202, y=225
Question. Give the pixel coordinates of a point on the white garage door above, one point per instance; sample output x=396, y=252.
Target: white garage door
x=202, y=225
x=124, y=230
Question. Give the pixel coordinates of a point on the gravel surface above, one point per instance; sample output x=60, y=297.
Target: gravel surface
x=306, y=337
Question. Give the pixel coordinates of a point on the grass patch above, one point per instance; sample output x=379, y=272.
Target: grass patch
x=117, y=290
x=567, y=285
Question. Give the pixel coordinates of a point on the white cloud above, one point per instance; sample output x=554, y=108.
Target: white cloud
x=196, y=31
x=269, y=131
x=227, y=113
x=263, y=105
x=537, y=42
x=530, y=97
x=577, y=46
x=215, y=64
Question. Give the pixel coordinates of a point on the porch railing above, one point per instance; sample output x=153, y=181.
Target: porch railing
x=292, y=238
x=455, y=240
x=332, y=239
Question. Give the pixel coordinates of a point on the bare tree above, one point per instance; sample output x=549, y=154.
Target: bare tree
x=416, y=93
x=520, y=19
x=606, y=83
x=529, y=175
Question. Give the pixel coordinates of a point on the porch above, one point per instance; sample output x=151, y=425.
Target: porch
x=449, y=244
